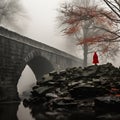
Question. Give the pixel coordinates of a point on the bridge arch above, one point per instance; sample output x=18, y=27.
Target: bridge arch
x=39, y=64
x=17, y=51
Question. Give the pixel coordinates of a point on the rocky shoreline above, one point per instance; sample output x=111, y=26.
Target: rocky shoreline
x=78, y=89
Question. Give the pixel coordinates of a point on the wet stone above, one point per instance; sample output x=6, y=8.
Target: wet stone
x=111, y=102
x=41, y=90
x=69, y=88
x=53, y=73
x=51, y=95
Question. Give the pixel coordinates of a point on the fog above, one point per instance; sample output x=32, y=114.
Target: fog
x=42, y=26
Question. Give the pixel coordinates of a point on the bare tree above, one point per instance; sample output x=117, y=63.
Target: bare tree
x=114, y=5
x=12, y=14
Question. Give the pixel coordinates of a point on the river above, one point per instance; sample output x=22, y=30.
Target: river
x=14, y=111
x=17, y=111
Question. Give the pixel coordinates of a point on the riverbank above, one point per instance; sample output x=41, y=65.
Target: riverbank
x=77, y=88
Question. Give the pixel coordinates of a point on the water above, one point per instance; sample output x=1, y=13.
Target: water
x=17, y=111
x=24, y=113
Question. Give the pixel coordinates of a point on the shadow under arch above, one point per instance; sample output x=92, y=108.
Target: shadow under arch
x=33, y=71
x=40, y=66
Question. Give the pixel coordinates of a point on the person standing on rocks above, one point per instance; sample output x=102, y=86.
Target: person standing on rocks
x=95, y=58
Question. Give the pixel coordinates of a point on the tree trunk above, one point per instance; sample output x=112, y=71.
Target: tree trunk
x=85, y=53
x=85, y=46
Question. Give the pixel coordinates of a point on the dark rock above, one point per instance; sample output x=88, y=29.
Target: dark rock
x=108, y=102
x=90, y=71
x=109, y=116
x=41, y=91
x=41, y=117
x=64, y=103
x=52, y=113
x=71, y=87
x=46, y=78
x=74, y=83
x=51, y=95
x=35, y=87
x=53, y=73
x=62, y=73
x=86, y=91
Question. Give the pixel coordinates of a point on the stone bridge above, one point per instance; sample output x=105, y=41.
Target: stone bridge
x=17, y=51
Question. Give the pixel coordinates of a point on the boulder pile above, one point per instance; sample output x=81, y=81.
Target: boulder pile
x=76, y=88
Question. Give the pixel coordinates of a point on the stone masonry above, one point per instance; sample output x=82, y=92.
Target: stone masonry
x=17, y=51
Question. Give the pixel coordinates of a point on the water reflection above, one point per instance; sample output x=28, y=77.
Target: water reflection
x=16, y=111
x=61, y=114
x=24, y=113
x=8, y=111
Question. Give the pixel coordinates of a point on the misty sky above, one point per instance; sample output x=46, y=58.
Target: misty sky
x=42, y=24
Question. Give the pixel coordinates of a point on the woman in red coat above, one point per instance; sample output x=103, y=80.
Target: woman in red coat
x=95, y=58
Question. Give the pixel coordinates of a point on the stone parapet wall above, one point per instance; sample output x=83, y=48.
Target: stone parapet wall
x=17, y=37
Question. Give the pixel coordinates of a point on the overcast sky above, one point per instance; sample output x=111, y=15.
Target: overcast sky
x=42, y=24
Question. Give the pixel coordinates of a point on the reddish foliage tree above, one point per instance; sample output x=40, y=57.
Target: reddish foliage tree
x=94, y=24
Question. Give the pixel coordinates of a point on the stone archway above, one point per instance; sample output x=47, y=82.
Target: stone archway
x=40, y=66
